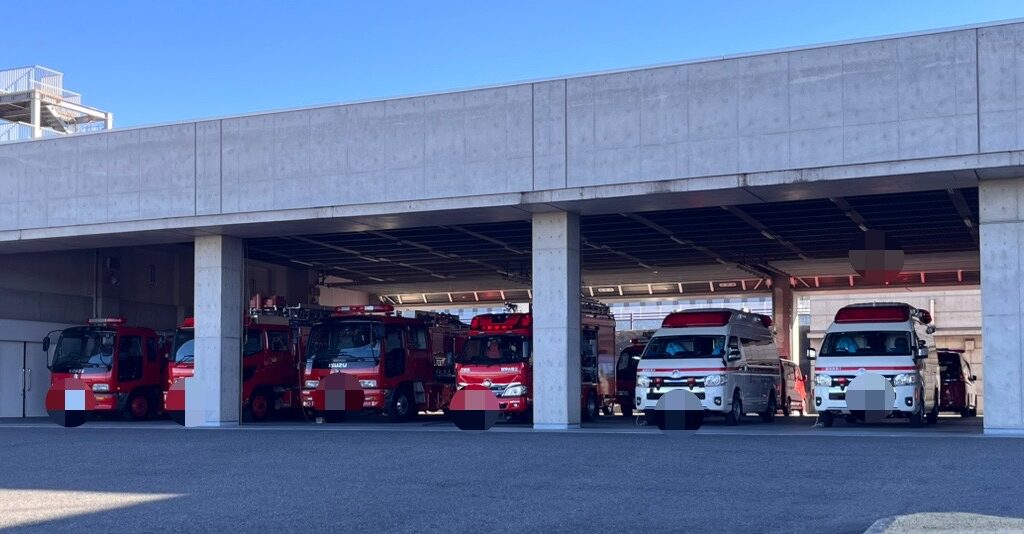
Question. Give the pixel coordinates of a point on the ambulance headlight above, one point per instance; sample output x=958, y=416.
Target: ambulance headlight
x=515, y=390
x=823, y=380
x=904, y=379
x=643, y=381
x=101, y=388
x=711, y=381
x=312, y=384
x=368, y=384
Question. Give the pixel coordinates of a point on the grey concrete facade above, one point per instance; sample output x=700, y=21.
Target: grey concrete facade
x=556, y=320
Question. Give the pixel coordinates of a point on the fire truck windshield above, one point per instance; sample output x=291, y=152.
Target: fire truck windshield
x=867, y=343
x=495, y=349
x=345, y=341
x=674, y=347
x=86, y=349
x=184, y=345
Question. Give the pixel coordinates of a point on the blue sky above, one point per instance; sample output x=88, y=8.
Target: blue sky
x=152, y=62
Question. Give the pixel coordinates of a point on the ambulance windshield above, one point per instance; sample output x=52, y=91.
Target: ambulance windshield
x=867, y=343
x=669, y=347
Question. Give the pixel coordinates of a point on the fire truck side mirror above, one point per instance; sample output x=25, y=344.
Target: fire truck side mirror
x=46, y=344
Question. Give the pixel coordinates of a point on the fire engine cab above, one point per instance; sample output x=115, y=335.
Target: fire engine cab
x=890, y=339
x=120, y=363
x=499, y=356
x=271, y=349
x=727, y=358
x=404, y=364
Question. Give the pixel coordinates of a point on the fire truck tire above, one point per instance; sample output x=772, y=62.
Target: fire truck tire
x=590, y=408
x=138, y=407
x=787, y=408
x=768, y=415
x=260, y=406
x=735, y=414
x=401, y=406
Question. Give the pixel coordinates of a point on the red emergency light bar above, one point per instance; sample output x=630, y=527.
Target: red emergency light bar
x=189, y=322
x=879, y=314
x=107, y=321
x=487, y=323
x=765, y=320
x=357, y=310
x=696, y=318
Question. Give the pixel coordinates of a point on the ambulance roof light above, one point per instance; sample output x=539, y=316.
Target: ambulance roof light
x=877, y=314
x=696, y=318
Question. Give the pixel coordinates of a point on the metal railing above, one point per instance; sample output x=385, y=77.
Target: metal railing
x=35, y=78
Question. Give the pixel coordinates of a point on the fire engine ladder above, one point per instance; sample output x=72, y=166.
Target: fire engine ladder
x=594, y=307
x=296, y=315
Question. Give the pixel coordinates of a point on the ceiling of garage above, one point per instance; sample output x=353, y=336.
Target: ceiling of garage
x=751, y=238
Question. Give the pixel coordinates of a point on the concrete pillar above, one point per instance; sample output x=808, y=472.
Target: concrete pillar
x=784, y=318
x=556, y=320
x=214, y=399
x=1001, y=206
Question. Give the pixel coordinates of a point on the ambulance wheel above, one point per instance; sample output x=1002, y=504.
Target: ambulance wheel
x=590, y=410
x=138, y=406
x=787, y=407
x=933, y=416
x=401, y=408
x=917, y=417
x=260, y=406
x=826, y=419
x=735, y=414
x=768, y=415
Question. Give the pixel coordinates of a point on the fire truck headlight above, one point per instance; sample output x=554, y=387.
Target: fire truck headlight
x=101, y=388
x=714, y=380
x=515, y=390
x=823, y=380
x=368, y=384
x=904, y=379
x=643, y=381
x=312, y=384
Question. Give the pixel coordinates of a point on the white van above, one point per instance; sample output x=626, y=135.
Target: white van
x=888, y=338
x=726, y=357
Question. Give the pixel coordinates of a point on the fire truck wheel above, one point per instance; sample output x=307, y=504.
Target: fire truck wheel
x=768, y=415
x=787, y=407
x=590, y=410
x=607, y=409
x=138, y=406
x=401, y=407
x=259, y=407
x=735, y=414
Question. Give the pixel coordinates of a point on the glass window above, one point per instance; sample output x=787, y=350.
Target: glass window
x=129, y=359
x=420, y=338
x=253, y=342
x=151, y=351
x=495, y=349
x=278, y=341
x=84, y=350
x=690, y=346
x=867, y=343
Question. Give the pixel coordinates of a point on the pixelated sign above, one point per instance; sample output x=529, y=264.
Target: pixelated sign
x=69, y=401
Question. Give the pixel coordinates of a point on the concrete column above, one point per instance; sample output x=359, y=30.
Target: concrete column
x=1001, y=207
x=556, y=320
x=784, y=318
x=214, y=398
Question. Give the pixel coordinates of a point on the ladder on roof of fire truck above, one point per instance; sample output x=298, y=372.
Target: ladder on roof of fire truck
x=294, y=314
x=594, y=307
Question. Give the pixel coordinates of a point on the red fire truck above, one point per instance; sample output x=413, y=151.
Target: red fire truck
x=122, y=364
x=272, y=346
x=499, y=356
x=405, y=365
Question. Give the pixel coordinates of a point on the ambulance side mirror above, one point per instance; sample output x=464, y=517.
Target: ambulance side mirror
x=734, y=355
x=812, y=354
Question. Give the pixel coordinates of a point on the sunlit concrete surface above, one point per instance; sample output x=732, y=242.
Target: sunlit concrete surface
x=948, y=522
x=21, y=508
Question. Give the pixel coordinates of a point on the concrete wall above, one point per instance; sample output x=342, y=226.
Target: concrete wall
x=956, y=313
x=890, y=100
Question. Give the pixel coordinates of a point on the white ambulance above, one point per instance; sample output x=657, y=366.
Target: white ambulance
x=888, y=338
x=726, y=357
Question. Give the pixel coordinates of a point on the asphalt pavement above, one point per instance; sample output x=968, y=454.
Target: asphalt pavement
x=429, y=476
